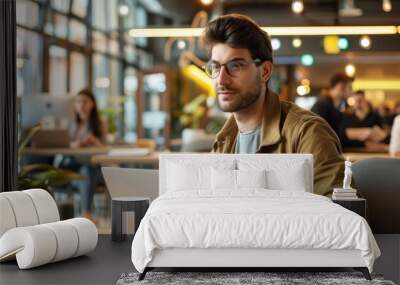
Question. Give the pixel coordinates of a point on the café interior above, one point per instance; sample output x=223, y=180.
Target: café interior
x=142, y=63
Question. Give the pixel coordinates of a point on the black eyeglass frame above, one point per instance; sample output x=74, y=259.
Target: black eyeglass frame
x=256, y=61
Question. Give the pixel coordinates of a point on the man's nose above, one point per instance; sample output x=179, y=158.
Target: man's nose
x=223, y=77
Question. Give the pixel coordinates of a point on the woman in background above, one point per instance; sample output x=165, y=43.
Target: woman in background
x=86, y=130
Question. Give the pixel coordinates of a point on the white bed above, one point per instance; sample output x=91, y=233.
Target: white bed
x=201, y=219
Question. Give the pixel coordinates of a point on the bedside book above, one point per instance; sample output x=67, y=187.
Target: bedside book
x=344, y=194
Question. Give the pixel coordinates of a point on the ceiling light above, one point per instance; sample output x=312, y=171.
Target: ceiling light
x=384, y=85
x=348, y=9
x=181, y=44
x=330, y=30
x=331, y=44
x=276, y=44
x=301, y=90
x=365, y=42
x=350, y=70
x=305, y=81
x=206, y=2
x=343, y=43
x=307, y=59
x=272, y=31
x=296, y=42
x=386, y=5
x=123, y=10
x=297, y=6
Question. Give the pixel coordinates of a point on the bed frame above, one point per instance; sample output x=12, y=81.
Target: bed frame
x=242, y=259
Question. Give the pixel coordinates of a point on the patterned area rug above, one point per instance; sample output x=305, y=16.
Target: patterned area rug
x=229, y=278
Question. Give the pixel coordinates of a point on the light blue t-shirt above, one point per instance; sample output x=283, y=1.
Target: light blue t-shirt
x=248, y=142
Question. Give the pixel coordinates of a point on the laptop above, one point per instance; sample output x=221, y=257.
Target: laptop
x=131, y=182
x=49, y=138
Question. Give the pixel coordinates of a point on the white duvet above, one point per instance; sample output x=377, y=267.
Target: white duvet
x=250, y=219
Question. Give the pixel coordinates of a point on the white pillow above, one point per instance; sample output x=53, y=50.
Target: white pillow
x=188, y=175
x=237, y=179
x=283, y=173
x=294, y=179
x=223, y=179
x=182, y=177
x=251, y=178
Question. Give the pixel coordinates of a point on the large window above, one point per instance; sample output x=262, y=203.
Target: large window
x=29, y=62
x=105, y=14
x=79, y=8
x=64, y=47
x=101, y=79
x=27, y=13
x=79, y=78
x=77, y=32
x=57, y=71
x=130, y=88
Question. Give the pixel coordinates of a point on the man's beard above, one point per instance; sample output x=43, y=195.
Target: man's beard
x=245, y=100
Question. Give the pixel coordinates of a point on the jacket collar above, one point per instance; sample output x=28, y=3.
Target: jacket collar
x=270, y=125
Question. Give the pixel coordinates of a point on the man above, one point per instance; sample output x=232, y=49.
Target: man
x=364, y=116
x=368, y=120
x=240, y=66
x=332, y=106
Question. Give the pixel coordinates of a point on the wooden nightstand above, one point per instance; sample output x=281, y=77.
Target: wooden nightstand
x=358, y=206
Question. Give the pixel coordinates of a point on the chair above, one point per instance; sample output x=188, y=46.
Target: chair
x=31, y=231
x=378, y=180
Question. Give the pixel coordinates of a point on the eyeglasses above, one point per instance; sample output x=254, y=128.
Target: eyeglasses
x=233, y=67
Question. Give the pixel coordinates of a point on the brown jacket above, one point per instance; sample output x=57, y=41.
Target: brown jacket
x=287, y=128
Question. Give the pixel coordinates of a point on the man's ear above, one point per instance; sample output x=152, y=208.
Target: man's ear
x=266, y=70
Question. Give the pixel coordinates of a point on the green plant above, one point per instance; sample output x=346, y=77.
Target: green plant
x=110, y=116
x=45, y=176
x=24, y=142
x=41, y=175
x=194, y=112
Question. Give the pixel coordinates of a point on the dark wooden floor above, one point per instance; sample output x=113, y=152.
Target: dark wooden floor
x=110, y=259
x=102, y=266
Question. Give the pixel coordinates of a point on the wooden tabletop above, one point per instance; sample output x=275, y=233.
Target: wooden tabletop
x=106, y=159
x=99, y=155
x=79, y=151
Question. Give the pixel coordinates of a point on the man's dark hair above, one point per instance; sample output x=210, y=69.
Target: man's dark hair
x=239, y=31
x=340, y=78
x=360, y=93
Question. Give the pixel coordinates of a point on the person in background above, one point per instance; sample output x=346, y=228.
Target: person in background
x=365, y=125
x=332, y=106
x=363, y=116
x=396, y=110
x=394, y=147
x=86, y=130
x=386, y=115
